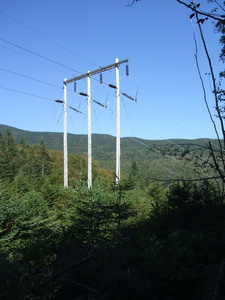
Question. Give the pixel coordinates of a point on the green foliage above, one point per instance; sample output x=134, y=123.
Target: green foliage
x=152, y=158
x=137, y=240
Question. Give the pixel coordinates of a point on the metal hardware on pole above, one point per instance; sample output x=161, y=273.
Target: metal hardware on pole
x=100, y=70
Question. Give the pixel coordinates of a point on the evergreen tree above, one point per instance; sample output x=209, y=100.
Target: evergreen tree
x=9, y=156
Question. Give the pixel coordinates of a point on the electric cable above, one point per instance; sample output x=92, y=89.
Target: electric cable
x=178, y=146
x=31, y=78
x=96, y=119
x=24, y=93
x=31, y=58
x=163, y=117
x=128, y=117
x=47, y=38
x=39, y=55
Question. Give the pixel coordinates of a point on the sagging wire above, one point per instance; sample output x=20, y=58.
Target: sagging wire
x=95, y=101
x=24, y=93
x=128, y=117
x=97, y=122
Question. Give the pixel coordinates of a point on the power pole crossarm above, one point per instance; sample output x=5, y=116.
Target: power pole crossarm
x=97, y=71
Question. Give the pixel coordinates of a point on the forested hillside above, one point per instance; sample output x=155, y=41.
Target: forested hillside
x=155, y=159
x=138, y=240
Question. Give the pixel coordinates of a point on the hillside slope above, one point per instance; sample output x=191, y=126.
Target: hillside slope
x=148, y=154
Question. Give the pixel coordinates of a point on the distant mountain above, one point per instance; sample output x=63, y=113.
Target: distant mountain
x=150, y=161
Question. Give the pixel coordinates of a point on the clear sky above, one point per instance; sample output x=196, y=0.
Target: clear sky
x=43, y=42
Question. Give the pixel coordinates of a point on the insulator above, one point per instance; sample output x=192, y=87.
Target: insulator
x=59, y=101
x=99, y=103
x=112, y=86
x=129, y=97
x=75, y=109
x=100, y=77
x=83, y=94
x=127, y=70
x=75, y=87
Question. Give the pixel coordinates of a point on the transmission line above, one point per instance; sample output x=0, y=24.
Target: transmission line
x=28, y=77
x=24, y=93
x=39, y=55
x=47, y=38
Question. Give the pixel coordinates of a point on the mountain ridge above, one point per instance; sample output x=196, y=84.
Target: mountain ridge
x=142, y=151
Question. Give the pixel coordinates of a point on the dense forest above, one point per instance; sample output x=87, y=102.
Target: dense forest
x=138, y=240
x=159, y=234
x=157, y=159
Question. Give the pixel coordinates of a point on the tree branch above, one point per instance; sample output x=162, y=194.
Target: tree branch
x=194, y=9
x=79, y=262
x=132, y=3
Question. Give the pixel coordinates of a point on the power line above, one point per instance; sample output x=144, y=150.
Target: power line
x=31, y=58
x=34, y=79
x=172, y=122
x=178, y=146
x=39, y=55
x=28, y=77
x=47, y=38
x=24, y=93
x=176, y=160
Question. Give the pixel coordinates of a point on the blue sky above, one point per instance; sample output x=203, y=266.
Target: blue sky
x=51, y=40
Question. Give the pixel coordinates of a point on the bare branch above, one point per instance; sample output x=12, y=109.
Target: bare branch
x=219, y=282
x=68, y=268
x=216, y=164
x=214, y=87
x=132, y=3
x=219, y=5
x=193, y=7
x=86, y=287
x=203, y=86
x=185, y=180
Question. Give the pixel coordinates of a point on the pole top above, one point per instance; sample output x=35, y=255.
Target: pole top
x=100, y=70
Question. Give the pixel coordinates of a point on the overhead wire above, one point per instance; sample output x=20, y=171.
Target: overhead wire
x=51, y=40
x=98, y=124
x=47, y=38
x=128, y=117
x=162, y=100
x=54, y=115
x=163, y=117
x=28, y=94
x=172, y=158
x=37, y=61
x=177, y=145
x=39, y=55
x=31, y=78
x=96, y=119
x=59, y=117
x=132, y=127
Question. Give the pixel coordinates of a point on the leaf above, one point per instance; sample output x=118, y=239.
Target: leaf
x=201, y=20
